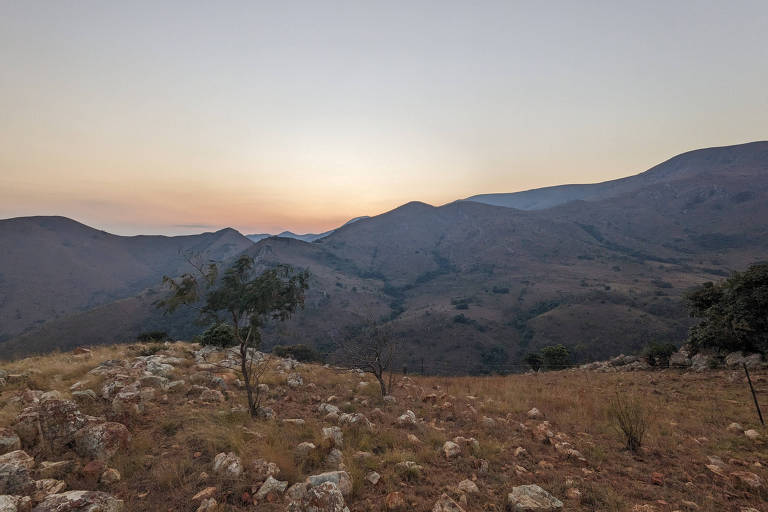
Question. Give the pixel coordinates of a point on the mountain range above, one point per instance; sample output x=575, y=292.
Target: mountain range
x=470, y=286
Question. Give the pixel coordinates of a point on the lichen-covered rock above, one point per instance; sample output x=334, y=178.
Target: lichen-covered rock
x=271, y=490
x=261, y=470
x=335, y=435
x=46, y=487
x=532, y=498
x=15, y=469
x=102, y=441
x=228, y=465
x=325, y=497
x=340, y=478
x=56, y=420
x=451, y=449
x=294, y=381
x=15, y=503
x=80, y=501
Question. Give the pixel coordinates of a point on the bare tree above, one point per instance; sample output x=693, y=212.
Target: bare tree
x=373, y=349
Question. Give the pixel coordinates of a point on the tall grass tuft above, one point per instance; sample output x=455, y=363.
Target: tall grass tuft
x=630, y=418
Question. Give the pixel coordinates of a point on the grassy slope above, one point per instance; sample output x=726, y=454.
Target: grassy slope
x=175, y=442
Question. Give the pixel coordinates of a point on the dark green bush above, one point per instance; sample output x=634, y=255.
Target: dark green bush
x=153, y=336
x=658, y=354
x=220, y=335
x=556, y=357
x=534, y=360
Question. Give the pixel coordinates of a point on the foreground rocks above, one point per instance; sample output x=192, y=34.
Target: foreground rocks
x=532, y=498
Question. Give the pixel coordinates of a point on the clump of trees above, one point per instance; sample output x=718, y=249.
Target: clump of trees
x=556, y=357
x=153, y=336
x=247, y=299
x=534, y=360
x=733, y=312
x=219, y=335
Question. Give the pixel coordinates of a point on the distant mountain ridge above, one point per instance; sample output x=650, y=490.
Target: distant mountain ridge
x=676, y=168
x=308, y=237
x=468, y=285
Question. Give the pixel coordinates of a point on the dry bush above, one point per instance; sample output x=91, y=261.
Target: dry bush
x=630, y=418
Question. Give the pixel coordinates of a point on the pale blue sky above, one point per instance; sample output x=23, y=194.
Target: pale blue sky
x=157, y=116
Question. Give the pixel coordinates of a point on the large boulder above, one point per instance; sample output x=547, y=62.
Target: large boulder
x=738, y=360
x=15, y=469
x=228, y=465
x=680, y=359
x=531, y=498
x=9, y=441
x=80, y=501
x=325, y=497
x=446, y=504
x=102, y=441
x=15, y=503
x=56, y=420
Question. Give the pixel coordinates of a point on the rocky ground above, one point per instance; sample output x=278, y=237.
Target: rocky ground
x=165, y=428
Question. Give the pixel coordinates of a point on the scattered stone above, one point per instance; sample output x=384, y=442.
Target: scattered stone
x=303, y=450
x=534, y=413
x=15, y=468
x=395, y=502
x=735, y=427
x=408, y=419
x=573, y=493
x=373, y=477
x=657, y=478
x=205, y=494
x=335, y=435
x=80, y=501
x=445, y=504
x=59, y=469
x=532, y=498
x=751, y=480
x=294, y=381
x=325, y=497
x=102, y=441
x=9, y=441
x=211, y=396
x=227, y=464
x=389, y=399
x=468, y=486
x=451, y=449
x=110, y=476
x=261, y=470
x=752, y=434
x=340, y=479
x=271, y=490
x=207, y=505
x=46, y=487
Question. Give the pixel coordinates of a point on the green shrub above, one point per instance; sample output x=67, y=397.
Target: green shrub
x=220, y=335
x=534, y=360
x=556, y=357
x=658, y=354
x=153, y=336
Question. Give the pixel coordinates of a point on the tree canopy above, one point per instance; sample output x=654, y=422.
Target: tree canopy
x=733, y=312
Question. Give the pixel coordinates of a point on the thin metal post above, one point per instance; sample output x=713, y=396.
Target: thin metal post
x=754, y=395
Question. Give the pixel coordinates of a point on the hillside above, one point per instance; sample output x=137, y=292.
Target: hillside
x=164, y=427
x=53, y=267
x=471, y=288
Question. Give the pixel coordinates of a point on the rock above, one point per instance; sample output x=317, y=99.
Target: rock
x=102, y=441
x=355, y=420
x=395, y=502
x=85, y=396
x=657, y=478
x=752, y=434
x=373, y=477
x=335, y=435
x=56, y=420
x=265, y=413
x=294, y=380
x=175, y=386
x=488, y=422
x=46, y=487
x=468, y=486
x=80, y=501
x=701, y=362
x=110, y=476
x=451, y=449
x=751, y=480
x=228, y=465
x=680, y=359
x=208, y=492
x=738, y=360
x=211, y=396
x=303, y=450
x=9, y=441
x=573, y=493
x=296, y=492
x=15, y=468
x=389, y=399
x=59, y=469
x=409, y=470
x=520, y=451
x=328, y=408
x=531, y=498
x=325, y=497
x=413, y=439
x=339, y=478
x=261, y=470
x=50, y=395
x=408, y=419
x=534, y=413
x=335, y=459
x=271, y=490
x=294, y=421
x=207, y=505
x=446, y=504
x=735, y=427
x=15, y=503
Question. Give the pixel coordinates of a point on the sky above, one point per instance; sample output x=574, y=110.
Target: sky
x=180, y=117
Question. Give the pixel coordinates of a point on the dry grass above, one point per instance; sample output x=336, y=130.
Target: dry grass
x=688, y=414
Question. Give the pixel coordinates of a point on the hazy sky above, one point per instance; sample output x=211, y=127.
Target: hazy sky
x=178, y=117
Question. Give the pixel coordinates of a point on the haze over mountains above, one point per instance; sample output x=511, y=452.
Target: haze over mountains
x=470, y=286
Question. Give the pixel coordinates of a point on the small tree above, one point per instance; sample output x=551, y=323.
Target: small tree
x=556, y=357
x=732, y=312
x=658, y=354
x=372, y=348
x=534, y=360
x=248, y=299
x=219, y=335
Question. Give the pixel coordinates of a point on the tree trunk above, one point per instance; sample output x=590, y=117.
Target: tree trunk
x=383, y=385
x=245, y=369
